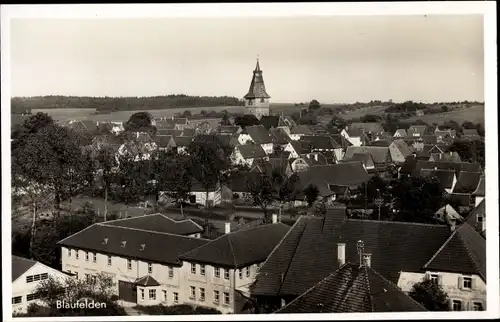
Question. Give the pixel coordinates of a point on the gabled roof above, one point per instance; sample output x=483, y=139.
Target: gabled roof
x=20, y=266
x=147, y=280
x=400, y=133
x=463, y=252
x=271, y=121
x=240, y=248
x=480, y=188
x=472, y=217
x=378, y=154
x=163, y=140
x=320, y=142
x=158, y=223
x=470, y=132
x=446, y=157
x=238, y=182
x=445, y=176
x=171, y=132
x=229, y=129
x=382, y=143
x=353, y=289
x=251, y=151
x=456, y=166
x=364, y=158
x=447, y=213
x=257, y=88
x=300, y=147
x=401, y=145
x=420, y=129
x=467, y=182
x=165, y=124
x=308, y=253
x=301, y=129
x=258, y=133
x=133, y=243
x=279, y=136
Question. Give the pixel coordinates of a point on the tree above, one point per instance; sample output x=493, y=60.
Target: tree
x=140, y=122
x=225, y=119
x=32, y=125
x=105, y=164
x=314, y=105
x=444, y=109
x=58, y=292
x=246, y=120
x=312, y=193
x=186, y=113
x=285, y=186
x=209, y=161
x=469, y=151
x=336, y=124
x=262, y=193
x=431, y=295
x=131, y=178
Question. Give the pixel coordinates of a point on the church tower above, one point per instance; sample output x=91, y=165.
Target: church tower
x=257, y=99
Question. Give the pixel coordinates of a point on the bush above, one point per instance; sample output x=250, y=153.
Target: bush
x=182, y=309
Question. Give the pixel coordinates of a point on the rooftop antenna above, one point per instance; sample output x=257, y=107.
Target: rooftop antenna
x=360, y=246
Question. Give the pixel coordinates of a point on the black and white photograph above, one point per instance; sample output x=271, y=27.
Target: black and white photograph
x=261, y=161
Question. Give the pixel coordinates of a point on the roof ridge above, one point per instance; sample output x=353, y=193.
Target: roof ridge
x=365, y=270
x=122, y=219
x=232, y=251
x=397, y=222
x=440, y=248
x=146, y=231
x=80, y=232
x=471, y=257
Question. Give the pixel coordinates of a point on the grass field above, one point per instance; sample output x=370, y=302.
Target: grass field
x=474, y=114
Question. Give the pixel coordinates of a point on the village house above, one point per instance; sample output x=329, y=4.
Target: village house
x=446, y=157
x=471, y=135
x=273, y=165
x=258, y=135
x=182, y=143
x=381, y=156
x=165, y=142
x=315, y=247
x=297, y=148
x=272, y=121
x=228, y=130
x=200, y=195
x=279, y=138
x=447, y=178
x=140, y=147
x=417, y=130
x=298, y=131
x=305, y=161
x=400, y=133
x=477, y=218
x=247, y=154
x=26, y=277
x=323, y=143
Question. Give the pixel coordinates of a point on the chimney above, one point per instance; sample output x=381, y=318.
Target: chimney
x=227, y=228
x=341, y=253
x=275, y=218
x=367, y=259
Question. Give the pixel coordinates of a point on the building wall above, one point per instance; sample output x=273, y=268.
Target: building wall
x=20, y=287
x=213, y=196
x=244, y=138
x=295, y=137
x=293, y=153
x=268, y=148
x=257, y=103
x=451, y=285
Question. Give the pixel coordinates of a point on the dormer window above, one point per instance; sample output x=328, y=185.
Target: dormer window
x=143, y=246
x=105, y=241
x=124, y=243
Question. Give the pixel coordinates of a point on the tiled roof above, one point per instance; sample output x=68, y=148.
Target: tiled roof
x=468, y=132
x=403, y=148
x=378, y=154
x=165, y=124
x=20, y=266
x=188, y=132
x=171, y=132
x=308, y=253
x=159, y=223
x=229, y=129
x=133, y=243
x=472, y=217
x=240, y=248
x=300, y=147
x=259, y=134
x=446, y=213
x=251, y=151
x=421, y=129
x=463, y=252
x=456, y=166
x=480, y=188
x=341, y=174
x=146, y=280
x=401, y=133
x=257, y=88
x=446, y=157
x=271, y=121
x=301, y=129
x=364, y=158
x=445, y=176
x=353, y=289
x=373, y=127
x=320, y=142
x=163, y=140
x=183, y=140
x=467, y=182
x=239, y=182
x=279, y=136
x=382, y=143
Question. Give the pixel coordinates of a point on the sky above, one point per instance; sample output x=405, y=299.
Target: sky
x=333, y=59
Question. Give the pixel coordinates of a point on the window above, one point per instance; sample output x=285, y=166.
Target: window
x=434, y=278
x=87, y=256
x=193, y=268
x=226, y=298
x=226, y=274
x=94, y=279
x=216, y=296
x=36, y=277
x=477, y=306
x=152, y=294
x=202, y=270
x=176, y=297
x=95, y=258
x=240, y=273
x=29, y=279
x=170, y=272
x=202, y=294
x=217, y=272
x=17, y=299
x=480, y=218
x=129, y=264
x=247, y=271
x=164, y=295
x=262, y=100
x=467, y=283
x=76, y=275
x=142, y=294
x=457, y=305
x=150, y=268
x=32, y=297
x=109, y=260
x=69, y=252
x=193, y=292
x=87, y=277
x=76, y=254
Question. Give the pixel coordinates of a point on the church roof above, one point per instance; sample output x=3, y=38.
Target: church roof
x=257, y=88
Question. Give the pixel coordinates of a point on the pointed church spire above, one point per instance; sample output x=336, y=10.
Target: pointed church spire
x=257, y=67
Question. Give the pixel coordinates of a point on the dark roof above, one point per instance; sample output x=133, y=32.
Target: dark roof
x=480, y=188
x=320, y=142
x=181, y=120
x=353, y=289
x=300, y=147
x=472, y=217
x=270, y=121
x=378, y=154
x=279, y=136
x=158, y=247
x=456, y=166
x=240, y=248
x=421, y=129
x=301, y=129
x=382, y=143
x=364, y=158
x=258, y=133
x=446, y=157
x=147, y=280
x=239, y=181
x=163, y=140
x=183, y=140
x=463, y=252
x=251, y=151
x=342, y=174
x=257, y=88
x=402, y=146
x=159, y=223
x=164, y=124
x=229, y=129
x=20, y=266
x=467, y=182
x=470, y=132
x=308, y=253
x=401, y=132
x=171, y=132
x=444, y=176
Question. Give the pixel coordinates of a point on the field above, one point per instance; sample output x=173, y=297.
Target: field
x=374, y=110
x=474, y=114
